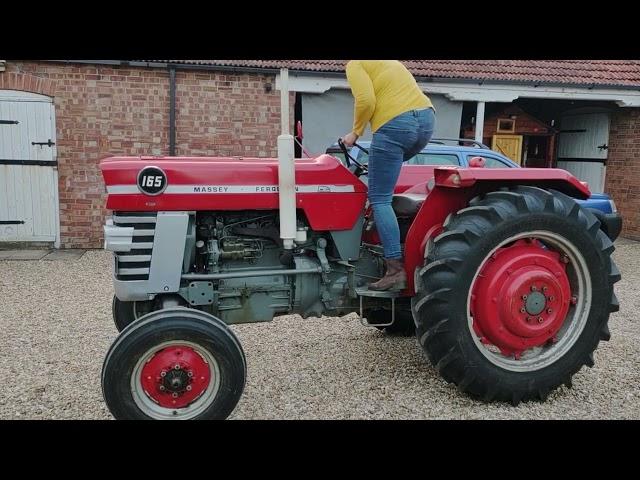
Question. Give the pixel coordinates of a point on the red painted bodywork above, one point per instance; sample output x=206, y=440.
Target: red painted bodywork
x=499, y=177
x=411, y=175
x=453, y=187
x=325, y=211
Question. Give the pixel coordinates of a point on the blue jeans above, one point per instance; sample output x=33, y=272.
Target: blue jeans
x=397, y=141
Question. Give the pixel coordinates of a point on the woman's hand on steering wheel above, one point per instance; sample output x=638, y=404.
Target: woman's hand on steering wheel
x=349, y=139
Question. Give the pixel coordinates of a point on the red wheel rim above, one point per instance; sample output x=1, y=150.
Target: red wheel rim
x=521, y=297
x=175, y=376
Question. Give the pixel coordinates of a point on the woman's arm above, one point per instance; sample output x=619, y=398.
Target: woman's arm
x=363, y=94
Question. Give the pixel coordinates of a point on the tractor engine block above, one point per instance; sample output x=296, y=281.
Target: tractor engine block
x=228, y=237
x=229, y=242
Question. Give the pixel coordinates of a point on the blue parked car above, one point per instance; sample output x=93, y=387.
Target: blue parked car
x=439, y=153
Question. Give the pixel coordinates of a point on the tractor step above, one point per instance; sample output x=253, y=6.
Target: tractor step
x=365, y=292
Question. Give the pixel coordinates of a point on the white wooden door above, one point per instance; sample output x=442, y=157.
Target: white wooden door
x=582, y=147
x=28, y=169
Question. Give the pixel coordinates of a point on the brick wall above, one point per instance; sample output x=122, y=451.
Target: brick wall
x=105, y=110
x=623, y=168
x=227, y=114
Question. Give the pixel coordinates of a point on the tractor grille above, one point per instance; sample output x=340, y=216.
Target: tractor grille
x=136, y=263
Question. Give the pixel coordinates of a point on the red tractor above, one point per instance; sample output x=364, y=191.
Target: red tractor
x=510, y=281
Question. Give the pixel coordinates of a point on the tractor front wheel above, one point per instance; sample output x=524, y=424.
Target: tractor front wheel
x=125, y=313
x=515, y=294
x=176, y=363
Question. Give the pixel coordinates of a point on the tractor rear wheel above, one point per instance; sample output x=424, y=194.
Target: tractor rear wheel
x=515, y=294
x=176, y=363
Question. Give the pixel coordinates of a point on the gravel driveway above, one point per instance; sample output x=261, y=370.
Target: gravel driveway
x=55, y=318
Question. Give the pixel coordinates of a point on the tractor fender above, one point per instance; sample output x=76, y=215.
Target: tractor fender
x=452, y=189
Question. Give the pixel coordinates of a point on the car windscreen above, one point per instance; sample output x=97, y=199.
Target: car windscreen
x=434, y=159
x=422, y=158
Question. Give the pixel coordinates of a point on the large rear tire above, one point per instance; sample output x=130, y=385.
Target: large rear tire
x=515, y=294
x=176, y=363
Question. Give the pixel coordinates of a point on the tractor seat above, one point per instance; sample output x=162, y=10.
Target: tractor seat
x=407, y=204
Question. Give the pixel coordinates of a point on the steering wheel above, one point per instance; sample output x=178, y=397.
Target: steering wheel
x=360, y=168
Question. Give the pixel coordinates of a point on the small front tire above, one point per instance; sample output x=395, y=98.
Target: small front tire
x=176, y=363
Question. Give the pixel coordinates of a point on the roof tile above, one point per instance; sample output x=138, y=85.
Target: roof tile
x=578, y=72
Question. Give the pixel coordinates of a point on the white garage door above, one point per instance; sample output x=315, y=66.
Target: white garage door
x=582, y=147
x=329, y=115
x=28, y=169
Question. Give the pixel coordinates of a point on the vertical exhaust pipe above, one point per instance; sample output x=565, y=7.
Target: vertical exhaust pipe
x=286, y=168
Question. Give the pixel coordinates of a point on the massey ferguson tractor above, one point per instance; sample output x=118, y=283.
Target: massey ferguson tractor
x=509, y=291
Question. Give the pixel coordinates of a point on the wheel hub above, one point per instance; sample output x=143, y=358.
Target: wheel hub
x=176, y=380
x=535, y=303
x=521, y=297
x=175, y=376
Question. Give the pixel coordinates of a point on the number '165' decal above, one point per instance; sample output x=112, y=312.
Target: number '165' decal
x=152, y=181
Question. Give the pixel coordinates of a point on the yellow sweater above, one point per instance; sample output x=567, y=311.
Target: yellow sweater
x=382, y=89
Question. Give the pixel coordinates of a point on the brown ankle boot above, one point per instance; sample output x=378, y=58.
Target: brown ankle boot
x=395, y=279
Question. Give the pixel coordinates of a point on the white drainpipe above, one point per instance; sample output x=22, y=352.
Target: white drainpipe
x=286, y=168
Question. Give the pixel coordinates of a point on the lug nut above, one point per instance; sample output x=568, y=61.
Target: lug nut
x=544, y=289
x=176, y=367
x=188, y=388
x=528, y=319
x=162, y=387
x=174, y=395
x=163, y=373
x=524, y=297
x=534, y=288
x=522, y=310
x=190, y=374
x=552, y=298
x=549, y=310
x=540, y=319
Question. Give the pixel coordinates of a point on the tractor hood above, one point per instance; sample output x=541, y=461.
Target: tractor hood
x=331, y=196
